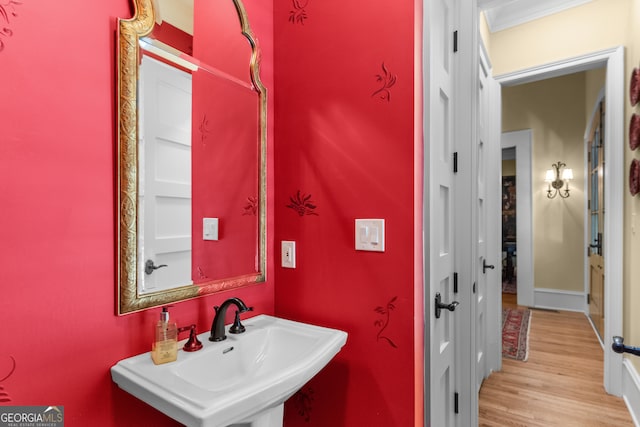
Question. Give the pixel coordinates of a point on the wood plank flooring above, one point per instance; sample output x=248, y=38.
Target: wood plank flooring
x=559, y=385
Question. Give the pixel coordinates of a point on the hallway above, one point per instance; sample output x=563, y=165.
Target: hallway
x=559, y=385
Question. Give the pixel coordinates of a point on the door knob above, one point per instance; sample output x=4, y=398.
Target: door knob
x=619, y=347
x=150, y=268
x=485, y=266
x=440, y=305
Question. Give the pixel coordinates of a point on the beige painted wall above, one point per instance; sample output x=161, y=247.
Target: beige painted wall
x=564, y=35
x=508, y=168
x=554, y=110
x=631, y=274
x=594, y=83
x=485, y=33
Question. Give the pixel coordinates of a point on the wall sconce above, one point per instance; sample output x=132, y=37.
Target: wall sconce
x=558, y=177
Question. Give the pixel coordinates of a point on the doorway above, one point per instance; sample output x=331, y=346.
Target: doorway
x=613, y=60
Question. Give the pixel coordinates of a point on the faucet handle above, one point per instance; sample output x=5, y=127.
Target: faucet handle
x=237, y=327
x=192, y=344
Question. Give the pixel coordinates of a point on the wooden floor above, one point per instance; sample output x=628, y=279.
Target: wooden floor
x=559, y=385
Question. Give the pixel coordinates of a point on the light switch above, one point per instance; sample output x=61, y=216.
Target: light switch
x=288, y=254
x=210, y=229
x=370, y=235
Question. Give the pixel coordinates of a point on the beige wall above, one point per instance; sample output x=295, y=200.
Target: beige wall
x=485, y=33
x=508, y=168
x=594, y=83
x=554, y=110
x=631, y=274
x=564, y=35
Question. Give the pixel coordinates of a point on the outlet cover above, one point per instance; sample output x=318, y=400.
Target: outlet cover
x=288, y=254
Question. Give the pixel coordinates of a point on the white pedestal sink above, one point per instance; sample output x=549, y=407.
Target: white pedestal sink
x=241, y=381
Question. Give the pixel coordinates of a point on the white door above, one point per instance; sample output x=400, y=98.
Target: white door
x=488, y=296
x=164, y=236
x=439, y=211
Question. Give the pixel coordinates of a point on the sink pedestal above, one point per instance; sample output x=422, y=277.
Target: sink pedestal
x=271, y=418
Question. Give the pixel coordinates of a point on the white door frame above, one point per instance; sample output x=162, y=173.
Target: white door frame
x=522, y=142
x=613, y=59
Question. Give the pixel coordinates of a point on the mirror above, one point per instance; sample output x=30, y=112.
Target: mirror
x=191, y=153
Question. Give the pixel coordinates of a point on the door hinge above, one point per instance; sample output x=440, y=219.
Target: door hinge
x=455, y=41
x=455, y=283
x=588, y=205
x=588, y=298
x=455, y=402
x=474, y=287
x=455, y=162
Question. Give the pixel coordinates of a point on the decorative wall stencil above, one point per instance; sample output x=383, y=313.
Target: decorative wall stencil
x=204, y=131
x=302, y=204
x=251, y=207
x=384, y=322
x=4, y=396
x=388, y=80
x=7, y=11
x=302, y=401
x=201, y=274
x=298, y=14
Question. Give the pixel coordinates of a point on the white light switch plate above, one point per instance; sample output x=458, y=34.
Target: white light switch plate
x=288, y=254
x=370, y=235
x=210, y=229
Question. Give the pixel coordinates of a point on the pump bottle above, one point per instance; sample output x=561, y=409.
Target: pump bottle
x=165, y=345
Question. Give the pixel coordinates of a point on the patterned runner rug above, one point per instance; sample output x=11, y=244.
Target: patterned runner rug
x=515, y=333
x=509, y=287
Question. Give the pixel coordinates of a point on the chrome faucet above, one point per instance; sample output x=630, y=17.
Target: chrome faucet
x=217, y=326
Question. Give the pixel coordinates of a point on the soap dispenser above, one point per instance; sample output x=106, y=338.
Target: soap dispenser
x=165, y=344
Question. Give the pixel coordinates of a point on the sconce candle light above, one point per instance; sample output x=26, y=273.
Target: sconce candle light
x=557, y=178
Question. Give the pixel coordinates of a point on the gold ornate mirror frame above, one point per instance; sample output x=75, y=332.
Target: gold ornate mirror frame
x=129, y=299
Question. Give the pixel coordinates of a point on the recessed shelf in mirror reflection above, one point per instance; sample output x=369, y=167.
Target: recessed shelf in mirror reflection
x=225, y=139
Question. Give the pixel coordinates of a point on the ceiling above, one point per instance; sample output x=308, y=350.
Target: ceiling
x=503, y=14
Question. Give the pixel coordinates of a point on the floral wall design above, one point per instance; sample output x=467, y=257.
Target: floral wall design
x=387, y=80
x=4, y=396
x=302, y=204
x=299, y=14
x=251, y=207
x=382, y=323
x=204, y=130
x=7, y=12
x=303, y=400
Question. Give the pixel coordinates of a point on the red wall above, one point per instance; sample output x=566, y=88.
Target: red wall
x=343, y=137
x=345, y=140
x=57, y=218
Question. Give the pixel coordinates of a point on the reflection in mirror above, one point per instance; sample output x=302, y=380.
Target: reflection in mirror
x=191, y=153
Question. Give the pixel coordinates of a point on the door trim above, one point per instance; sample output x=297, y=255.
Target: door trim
x=613, y=59
x=522, y=141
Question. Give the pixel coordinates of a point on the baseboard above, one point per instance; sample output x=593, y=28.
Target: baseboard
x=631, y=390
x=559, y=300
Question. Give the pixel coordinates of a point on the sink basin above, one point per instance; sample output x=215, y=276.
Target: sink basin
x=244, y=379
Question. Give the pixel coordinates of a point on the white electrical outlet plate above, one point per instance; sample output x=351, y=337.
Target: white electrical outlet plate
x=210, y=229
x=288, y=254
x=370, y=235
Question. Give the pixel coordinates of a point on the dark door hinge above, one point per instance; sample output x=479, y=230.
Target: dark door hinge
x=588, y=298
x=455, y=41
x=455, y=283
x=455, y=162
x=455, y=402
x=474, y=287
